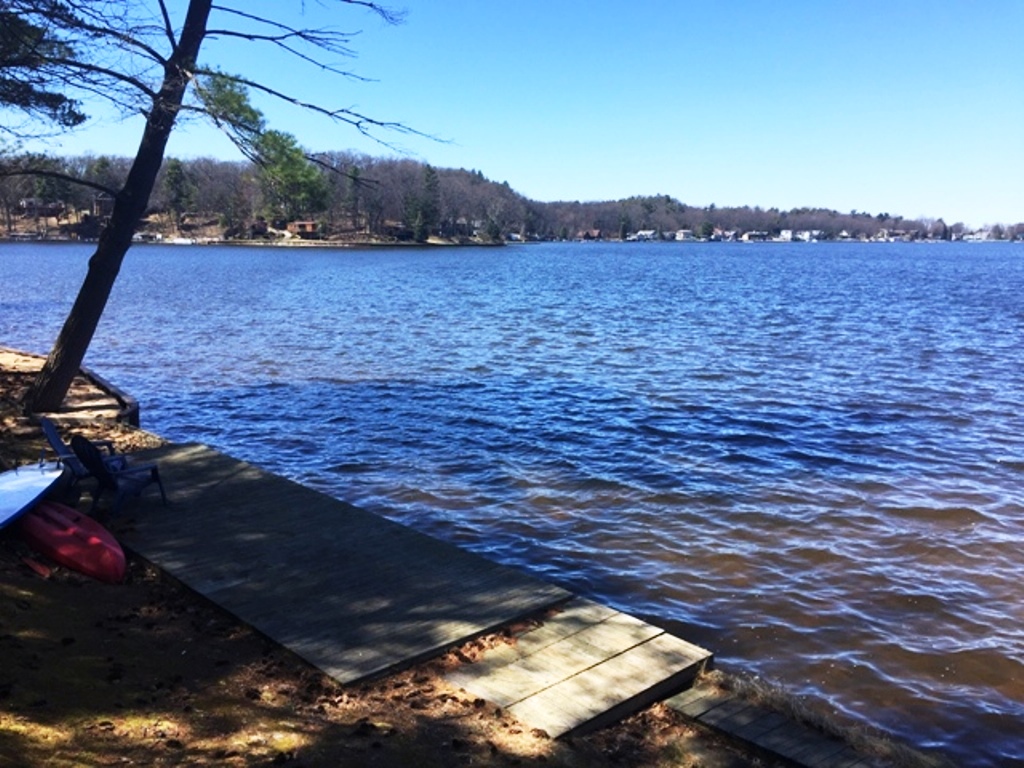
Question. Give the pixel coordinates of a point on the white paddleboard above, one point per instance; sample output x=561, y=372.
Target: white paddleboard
x=21, y=488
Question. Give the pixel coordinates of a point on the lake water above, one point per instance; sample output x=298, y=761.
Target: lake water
x=807, y=458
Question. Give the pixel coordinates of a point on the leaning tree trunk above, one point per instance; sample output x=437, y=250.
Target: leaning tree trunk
x=53, y=382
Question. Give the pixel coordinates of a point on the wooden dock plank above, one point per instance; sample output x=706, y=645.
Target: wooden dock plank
x=846, y=758
x=352, y=592
x=782, y=740
x=694, y=702
x=730, y=714
x=585, y=665
x=815, y=752
x=766, y=722
x=525, y=674
x=606, y=691
x=769, y=730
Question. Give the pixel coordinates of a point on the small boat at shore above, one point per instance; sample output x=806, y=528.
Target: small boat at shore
x=73, y=540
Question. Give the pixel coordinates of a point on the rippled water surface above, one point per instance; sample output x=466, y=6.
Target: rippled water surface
x=807, y=458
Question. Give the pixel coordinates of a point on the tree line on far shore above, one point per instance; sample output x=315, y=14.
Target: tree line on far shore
x=348, y=196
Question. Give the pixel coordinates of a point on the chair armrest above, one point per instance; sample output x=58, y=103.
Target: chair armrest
x=133, y=469
x=108, y=444
x=116, y=462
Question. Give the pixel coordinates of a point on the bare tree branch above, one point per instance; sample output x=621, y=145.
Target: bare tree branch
x=42, y=172
x=86, y=68
x=389, y=15
x=128, y=35
x=365, y=125
x=347, y=173
x=327, y=40
x=280, y=42
x=168, y=26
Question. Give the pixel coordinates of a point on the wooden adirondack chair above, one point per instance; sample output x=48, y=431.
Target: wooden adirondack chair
x=130, y=480
x=68, y=458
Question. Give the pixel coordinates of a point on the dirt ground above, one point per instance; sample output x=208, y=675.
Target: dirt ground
x=150, y=673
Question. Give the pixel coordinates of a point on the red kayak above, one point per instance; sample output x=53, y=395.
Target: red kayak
x=74, y=540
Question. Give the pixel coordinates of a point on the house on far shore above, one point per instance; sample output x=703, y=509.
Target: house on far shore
x=685, y=236
x=102, y=205
x=589, y=234
x=34, y=208
x=307, y=230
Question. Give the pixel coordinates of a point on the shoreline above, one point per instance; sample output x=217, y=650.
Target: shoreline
x=434, y=243
x=292, y=242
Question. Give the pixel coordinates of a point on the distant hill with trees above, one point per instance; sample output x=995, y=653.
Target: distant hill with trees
x=347, y=197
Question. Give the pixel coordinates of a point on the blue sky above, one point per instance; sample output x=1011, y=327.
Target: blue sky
x=913, y=108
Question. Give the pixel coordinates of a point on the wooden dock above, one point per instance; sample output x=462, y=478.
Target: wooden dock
x=90, y=397
x=358, y=595
x=584, y=667
x=349, y=591
x=767, y=730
